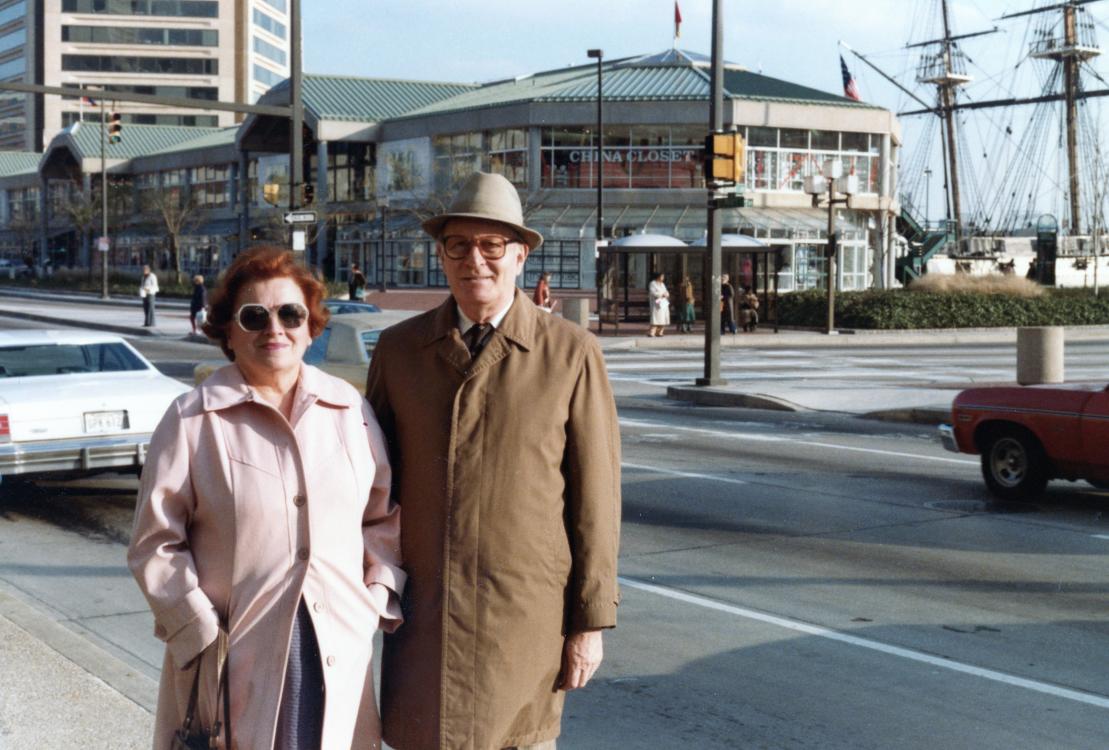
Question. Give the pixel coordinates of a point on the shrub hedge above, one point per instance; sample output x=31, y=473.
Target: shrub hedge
x=897, y=309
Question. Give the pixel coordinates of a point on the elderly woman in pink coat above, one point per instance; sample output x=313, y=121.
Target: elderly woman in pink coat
x=264, y=513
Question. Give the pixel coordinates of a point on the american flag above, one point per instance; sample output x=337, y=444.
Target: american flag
x=88, y=100
x=850, y=90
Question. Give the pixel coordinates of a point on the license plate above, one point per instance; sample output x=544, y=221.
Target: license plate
x=105, y=421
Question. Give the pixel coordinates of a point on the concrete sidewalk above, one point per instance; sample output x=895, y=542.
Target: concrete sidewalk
x=62, y=692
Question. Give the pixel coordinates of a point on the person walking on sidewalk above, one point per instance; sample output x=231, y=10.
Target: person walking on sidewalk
x=542, y=294
x=264, y=513
x=748, y=310
x=727, y=305
x=511, y=524
x=689, y=314
x=659, y=298
x=148, y=290
x=198, y=303
x=356, y=284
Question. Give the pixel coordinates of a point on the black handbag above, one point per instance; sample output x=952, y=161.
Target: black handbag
x=191, y=735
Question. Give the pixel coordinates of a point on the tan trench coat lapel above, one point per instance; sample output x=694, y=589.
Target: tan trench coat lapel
x=517, y=329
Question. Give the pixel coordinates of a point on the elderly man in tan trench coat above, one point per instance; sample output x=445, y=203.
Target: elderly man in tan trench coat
x=507, y=467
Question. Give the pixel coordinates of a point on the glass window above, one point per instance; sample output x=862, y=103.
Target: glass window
x=276, y=4
x=12, y=12
x=60, y=359
x=12, y=40
x=270, y=24
x=127, y=35
x=178, y=8
x=272, y=51
x=794, y=138
x=767, y=137
x=825, y=139
x=13, y=68
x=855, y=142
x=267, y=76
x=120, y=64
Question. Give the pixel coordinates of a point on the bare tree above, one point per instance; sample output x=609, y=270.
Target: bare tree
x=179, y=212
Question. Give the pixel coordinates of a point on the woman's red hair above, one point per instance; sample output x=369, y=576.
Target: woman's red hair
x=262, y=263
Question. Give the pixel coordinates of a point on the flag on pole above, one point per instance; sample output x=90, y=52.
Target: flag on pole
x=88, y=100
x=677, y=20
x=850, y=90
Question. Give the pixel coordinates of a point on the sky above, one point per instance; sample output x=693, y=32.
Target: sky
x=796, y=40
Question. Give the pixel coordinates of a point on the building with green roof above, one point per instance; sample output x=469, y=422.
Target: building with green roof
x=380, y=154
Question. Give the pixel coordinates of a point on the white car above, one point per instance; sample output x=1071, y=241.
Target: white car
x=77, y=403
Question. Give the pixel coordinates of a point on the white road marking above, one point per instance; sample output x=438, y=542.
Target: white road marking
x=755, y=437
x=686, y=474
x=851, y=640
x=1101, y=536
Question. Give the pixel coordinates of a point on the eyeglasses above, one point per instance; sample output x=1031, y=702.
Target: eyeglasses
x=492, y=247
x=253, y=317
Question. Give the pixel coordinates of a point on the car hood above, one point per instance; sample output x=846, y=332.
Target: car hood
x=52, y=407
x=1063, y=397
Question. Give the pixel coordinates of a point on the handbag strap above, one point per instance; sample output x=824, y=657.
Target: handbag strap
x=223, y=694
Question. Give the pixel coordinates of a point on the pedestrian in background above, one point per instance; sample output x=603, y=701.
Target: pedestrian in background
x=511, y=525
x=148, y=290
x=542, y=295
x=264, y=514
x=659, y=299
x=727, y=305
x=356, y=284
x=198, y=303
x=689, y=313
x=748, y=309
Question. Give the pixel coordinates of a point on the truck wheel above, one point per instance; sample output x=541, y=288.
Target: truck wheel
x=1014, y=465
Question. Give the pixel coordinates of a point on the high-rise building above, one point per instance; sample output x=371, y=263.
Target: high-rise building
x=230, y=50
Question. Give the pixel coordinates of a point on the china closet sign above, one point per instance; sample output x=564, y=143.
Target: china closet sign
x=629, y=155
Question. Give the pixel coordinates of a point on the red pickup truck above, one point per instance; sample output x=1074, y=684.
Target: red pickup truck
x=1029, y=435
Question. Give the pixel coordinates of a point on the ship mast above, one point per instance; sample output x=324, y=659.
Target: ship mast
x=1070, y=52
x=946, y=70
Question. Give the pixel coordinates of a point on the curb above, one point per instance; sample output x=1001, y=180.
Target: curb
x=130, y=683
x=109, y=327
x=719, y=397
x=919, y=415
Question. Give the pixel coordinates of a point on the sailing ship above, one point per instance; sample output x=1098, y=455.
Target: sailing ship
x=1008, y=195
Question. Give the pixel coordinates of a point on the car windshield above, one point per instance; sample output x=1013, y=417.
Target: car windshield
x=57, y=359
x=369, y=341
x=317, y=352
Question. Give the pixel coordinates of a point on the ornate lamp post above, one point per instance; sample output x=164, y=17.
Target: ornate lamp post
x=831, y=181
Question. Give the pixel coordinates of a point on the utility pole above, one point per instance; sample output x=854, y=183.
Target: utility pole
x=296, y=120
x=103, y=200
x=710, y=285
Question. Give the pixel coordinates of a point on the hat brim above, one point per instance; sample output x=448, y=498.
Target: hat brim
x=434, y=227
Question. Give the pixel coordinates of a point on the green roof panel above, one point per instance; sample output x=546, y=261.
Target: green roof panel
x=14, y=163
x=137, y=140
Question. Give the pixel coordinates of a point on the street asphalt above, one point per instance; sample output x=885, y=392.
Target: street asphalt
x=62, y=691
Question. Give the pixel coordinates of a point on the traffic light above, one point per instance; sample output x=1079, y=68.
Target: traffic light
x=309, y=194
x=115, y=127
x=725, y=158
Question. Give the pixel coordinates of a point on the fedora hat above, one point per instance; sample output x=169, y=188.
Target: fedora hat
x=486, y=197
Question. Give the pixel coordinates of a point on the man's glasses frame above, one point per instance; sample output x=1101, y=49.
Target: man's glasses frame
x=491, y=246
x=255, y=318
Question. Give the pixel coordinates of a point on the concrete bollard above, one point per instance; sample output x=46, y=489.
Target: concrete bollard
x=1040, y=355
x=576, y=310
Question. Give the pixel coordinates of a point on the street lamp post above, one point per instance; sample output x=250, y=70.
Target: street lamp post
x=383, y=202
x=927, y=194
x=599, y=56
x=833, y=181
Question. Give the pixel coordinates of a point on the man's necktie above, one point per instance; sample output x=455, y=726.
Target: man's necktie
x=476, y=338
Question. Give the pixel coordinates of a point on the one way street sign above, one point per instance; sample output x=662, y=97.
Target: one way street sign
x=300, y=217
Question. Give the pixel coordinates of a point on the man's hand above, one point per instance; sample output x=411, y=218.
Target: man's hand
x=581, y=656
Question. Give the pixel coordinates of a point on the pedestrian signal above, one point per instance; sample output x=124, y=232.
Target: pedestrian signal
x=725, y=158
